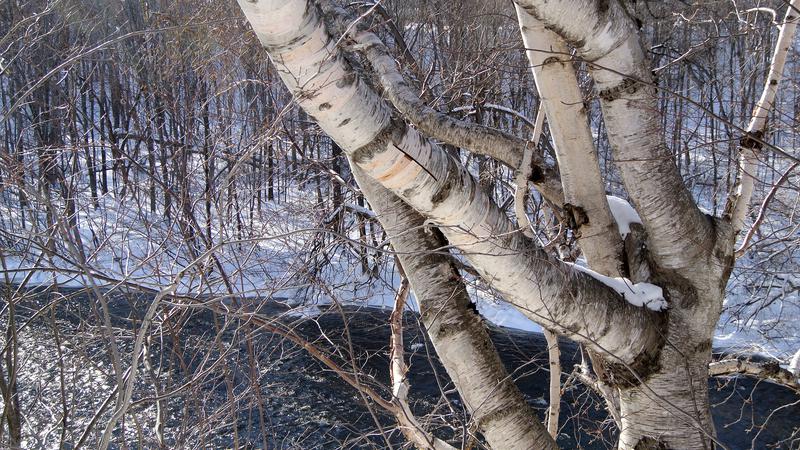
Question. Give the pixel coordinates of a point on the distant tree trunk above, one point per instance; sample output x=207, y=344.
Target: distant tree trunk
x=208, y=168
x=160, y=119
x=270, y=173
x=335, y=187
x=362, y=236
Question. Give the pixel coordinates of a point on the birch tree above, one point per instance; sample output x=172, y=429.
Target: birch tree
x=650, y=339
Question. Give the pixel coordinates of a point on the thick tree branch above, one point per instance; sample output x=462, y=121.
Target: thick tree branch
x=770, y=370
x=457, y=333
x=481, y=139
x=605, y=35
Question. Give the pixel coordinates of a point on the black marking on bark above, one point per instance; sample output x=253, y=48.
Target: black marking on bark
x=285, y=46
x=446, y=187
x=752, y=140
x=632, y=375
x=727, y=262
x=703, y=346
x=391, y=134
x=325, y=106
x=648, y=443
x=378, y=145
x=627, y=86
x=636, y=257
x=550, y=60
x=576, y=217
x=344, y=122
x=447, y=329
x=495, y=415
x=537, y=175
x=473, y=308
x=577, y=43
x=347, y=80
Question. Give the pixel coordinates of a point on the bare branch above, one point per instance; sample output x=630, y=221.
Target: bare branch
x=484, y=140
x=769, y=370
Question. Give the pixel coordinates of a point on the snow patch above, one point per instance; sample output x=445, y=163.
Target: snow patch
x=794, y=365
x=637, y=294
x=505, y=315
x=623, y=213
x=304, y=312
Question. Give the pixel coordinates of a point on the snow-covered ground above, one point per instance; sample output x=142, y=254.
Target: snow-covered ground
x=275, y=260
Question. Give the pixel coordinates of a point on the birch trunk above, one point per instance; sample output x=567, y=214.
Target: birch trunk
x=739, y=203
x=437, y=186
x=605, y=35
x=457, y=334
x=661, y=388
x=582, y=183
x=689, y=254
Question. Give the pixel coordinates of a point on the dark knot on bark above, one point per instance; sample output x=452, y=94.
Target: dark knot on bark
x=752, y=140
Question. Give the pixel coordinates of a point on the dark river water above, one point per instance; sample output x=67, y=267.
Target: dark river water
x=305, y=405
x=741, y=405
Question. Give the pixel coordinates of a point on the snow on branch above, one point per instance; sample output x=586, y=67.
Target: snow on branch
x=637, y=294
x=623, y=213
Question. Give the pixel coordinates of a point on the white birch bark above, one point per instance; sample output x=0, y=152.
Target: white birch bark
x=458, y=335
x=771, y=371
x=497, y=144
x=582, y=183
x=604, y=34
x=428, y=179
x=739, y=203
x=408, y=423
x=669, y=406
x=554, y=355
x=553, y=351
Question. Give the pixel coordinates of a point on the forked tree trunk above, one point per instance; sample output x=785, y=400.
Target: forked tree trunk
x=656, y=361
x=456, y=331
